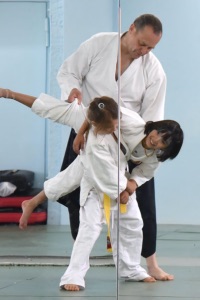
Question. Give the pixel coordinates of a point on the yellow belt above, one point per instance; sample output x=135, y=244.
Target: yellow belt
x=107, y=204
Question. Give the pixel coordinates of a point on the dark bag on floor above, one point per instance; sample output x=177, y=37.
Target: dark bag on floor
x=22, y=179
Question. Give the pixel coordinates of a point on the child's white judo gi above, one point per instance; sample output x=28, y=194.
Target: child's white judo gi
x=97, y=170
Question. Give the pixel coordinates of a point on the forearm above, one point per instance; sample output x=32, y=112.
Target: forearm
x=84, y=127
x=145, y=171
x=79, y=140
x=21, y=98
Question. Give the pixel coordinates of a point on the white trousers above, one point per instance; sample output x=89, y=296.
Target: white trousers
x=130, y=242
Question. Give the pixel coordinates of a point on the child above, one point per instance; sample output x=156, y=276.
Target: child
x=97, y=170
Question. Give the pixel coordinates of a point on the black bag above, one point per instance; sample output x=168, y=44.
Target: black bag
x=22, y=179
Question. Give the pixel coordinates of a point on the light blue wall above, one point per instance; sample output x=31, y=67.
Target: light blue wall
x=178, y=52
x=22, y=68
x=85, y=18
x=177, y=182
x=71, y=22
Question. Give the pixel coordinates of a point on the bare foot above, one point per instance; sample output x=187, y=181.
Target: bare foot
x=27, y=209
x=2, y=93
x=71, y=287
x=159, y=274
x=149, y=279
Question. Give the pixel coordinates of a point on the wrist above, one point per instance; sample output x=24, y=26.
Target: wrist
x=131, y=186
x=80, y=133
x=133, y=181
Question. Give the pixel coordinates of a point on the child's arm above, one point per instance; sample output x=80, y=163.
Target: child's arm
x=130, y=189
x=22, y=98
x=145, y=171
x=79, y=140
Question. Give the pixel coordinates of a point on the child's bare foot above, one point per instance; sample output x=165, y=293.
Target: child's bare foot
x=159, y=274
x=71, y=287
x=2, y=93
x=27, y=209
x=149, y=279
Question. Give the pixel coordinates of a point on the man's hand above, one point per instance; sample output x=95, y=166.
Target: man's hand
x=124, y=196
x=78, y=143
x=75, y=93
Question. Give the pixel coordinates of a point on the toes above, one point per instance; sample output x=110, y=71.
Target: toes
x=149, y=279
x=71, y=287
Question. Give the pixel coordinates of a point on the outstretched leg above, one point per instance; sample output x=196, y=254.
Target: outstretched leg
x=28, y=207
x=21, y=98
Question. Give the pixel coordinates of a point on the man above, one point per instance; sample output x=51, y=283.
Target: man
x=92, y=71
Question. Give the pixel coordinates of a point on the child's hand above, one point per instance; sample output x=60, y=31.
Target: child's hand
x=78, y=143
x=131, y=186
x=124, y=196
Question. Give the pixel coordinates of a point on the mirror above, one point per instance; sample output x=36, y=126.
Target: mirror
x=29, y=66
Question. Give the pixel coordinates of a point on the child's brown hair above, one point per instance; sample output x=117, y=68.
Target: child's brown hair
x=102, y=111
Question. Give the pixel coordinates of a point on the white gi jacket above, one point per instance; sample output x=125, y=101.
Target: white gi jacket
x=91, y=69
x=99, y=159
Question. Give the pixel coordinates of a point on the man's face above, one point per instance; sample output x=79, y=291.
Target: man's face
x=141, y=42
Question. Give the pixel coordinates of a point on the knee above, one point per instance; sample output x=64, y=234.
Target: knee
x=90, y=228
x=138, y=224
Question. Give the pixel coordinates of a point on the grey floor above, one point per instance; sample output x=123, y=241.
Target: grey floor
x=32, y=262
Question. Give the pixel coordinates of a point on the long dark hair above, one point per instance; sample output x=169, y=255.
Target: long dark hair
x=172, y=135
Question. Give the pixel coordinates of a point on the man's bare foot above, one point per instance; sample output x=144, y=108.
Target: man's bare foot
x=159, y=274
x=149, y=279
x=27, y=209
x=71, y=287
